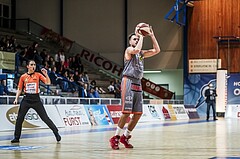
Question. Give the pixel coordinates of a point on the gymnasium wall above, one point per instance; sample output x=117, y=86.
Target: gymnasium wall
x=211, y=18
x=174, y=78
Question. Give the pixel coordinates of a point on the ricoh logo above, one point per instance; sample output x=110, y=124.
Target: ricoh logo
x=12, y=114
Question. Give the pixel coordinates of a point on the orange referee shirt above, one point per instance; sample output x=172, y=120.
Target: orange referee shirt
x=30, y=83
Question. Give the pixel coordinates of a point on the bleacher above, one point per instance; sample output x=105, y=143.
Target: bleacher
x=25, y=39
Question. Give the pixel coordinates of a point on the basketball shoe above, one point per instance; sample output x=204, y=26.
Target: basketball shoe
x=125, y=141
x=114, y=141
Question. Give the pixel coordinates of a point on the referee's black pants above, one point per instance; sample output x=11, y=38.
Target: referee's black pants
x=32, y=101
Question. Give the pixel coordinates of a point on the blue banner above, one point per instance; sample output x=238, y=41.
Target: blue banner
x=194, y=88
x=233, y=89
x=98, y=115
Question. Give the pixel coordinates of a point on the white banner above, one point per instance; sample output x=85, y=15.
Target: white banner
x=180, y=112
x=221, y=100
x=151, y=112
x=203, y=65
x=233, y=111
x=73, y=115
x=8, y=116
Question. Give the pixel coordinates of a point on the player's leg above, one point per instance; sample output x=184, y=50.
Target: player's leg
x=126, y=109
x=137, y=112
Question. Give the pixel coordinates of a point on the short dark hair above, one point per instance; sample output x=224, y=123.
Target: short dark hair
x=130, y=35
x=29, y=61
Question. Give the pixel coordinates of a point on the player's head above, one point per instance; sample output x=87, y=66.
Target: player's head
x=31, y=65
x=133, y=39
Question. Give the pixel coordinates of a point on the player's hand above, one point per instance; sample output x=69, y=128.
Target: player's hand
x=15, y=101
x=137, y=33
x=44, y=71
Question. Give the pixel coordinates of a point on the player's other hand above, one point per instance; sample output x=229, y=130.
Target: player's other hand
x=151, y=31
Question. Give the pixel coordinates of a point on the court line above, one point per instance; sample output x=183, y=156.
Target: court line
x=100, y=129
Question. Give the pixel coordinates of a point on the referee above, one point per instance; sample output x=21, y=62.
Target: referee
x=29, y=83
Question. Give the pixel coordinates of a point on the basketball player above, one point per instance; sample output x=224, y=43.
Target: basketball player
x=131, y=86
x=29, y=82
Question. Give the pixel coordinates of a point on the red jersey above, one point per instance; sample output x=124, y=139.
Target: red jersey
x=30, y=83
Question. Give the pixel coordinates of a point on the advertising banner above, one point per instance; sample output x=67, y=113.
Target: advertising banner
x=180, y=112
x=115, y=112
x=151, y=112
x=166, y=112
x=156, y=90
x=191, y=111
x=233, y=89
x=8, y=116
x=194, y=89
x=98, y=115
x=73, y=115
x=7, y=60
x=233, y=111
x=203, y=65
x=172, y=112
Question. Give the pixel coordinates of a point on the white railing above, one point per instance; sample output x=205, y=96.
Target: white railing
x=50, y=100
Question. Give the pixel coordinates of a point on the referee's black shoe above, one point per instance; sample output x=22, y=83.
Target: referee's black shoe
x=15, y=141
x=58, y=137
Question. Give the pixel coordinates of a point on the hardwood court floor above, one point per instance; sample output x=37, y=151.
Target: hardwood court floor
x=169, y=140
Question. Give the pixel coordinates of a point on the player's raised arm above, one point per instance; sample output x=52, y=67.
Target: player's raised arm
x=155, y=50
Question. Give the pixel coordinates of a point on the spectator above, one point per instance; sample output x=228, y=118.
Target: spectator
x=51, y=62
x=3, y=87
x=55, y=78
x=57, y=60
x=111, y=88
x=98, y=89
x=95, y=92
x=44, y=55
x=13, y=43
x=86, y=91
x=23, y=56
x=32, y=51
x=78, y=63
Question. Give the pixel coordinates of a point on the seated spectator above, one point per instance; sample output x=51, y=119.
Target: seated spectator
x=51, y=61
x=93, y=83
x=64, y=82
x=54, y=77
x=86, y=93
x=111, y=88
x=3, y=87
x=78, y=63
x=23, y=56
x=80, y=79
x=94, y=93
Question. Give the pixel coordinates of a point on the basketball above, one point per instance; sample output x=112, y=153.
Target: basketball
x=143, y=29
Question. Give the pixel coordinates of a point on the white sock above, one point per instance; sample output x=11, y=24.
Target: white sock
x=118, y=131
x=127, y=132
